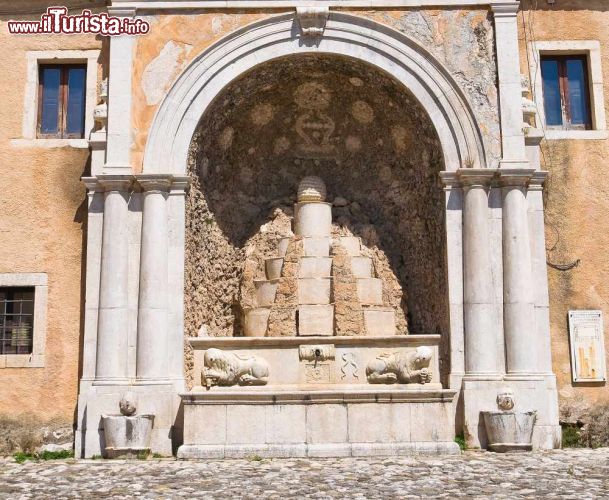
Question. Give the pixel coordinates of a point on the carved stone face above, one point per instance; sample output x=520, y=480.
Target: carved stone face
x=127, y=404
x=505, y=400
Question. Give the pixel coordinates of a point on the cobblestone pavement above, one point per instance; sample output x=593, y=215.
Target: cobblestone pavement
x=564, y=474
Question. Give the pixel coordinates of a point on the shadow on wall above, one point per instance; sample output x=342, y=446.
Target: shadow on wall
x=350, y=124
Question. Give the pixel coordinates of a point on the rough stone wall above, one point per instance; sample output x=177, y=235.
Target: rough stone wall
x=42, y=221
x=357, y=129
x=577, y=203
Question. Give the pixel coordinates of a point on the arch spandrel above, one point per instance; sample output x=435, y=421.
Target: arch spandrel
x=346, y=35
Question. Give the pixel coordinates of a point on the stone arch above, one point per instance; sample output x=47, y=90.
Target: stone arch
x=347, y=35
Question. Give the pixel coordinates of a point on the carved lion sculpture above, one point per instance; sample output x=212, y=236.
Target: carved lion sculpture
x=227, y=368
x=401, y=367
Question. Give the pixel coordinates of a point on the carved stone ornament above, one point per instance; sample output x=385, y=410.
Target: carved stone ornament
x=127, y=404
x=316, y=352
x=227, y=368
x=505, y=400
x=100, y=112
x=312, y=20
x=401, y=367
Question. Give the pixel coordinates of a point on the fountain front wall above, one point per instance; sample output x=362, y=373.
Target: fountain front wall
x=318, y=401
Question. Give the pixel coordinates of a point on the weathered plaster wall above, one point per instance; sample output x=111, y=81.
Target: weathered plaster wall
x=42, y=217
x=161, y=55
x=577, y=201
x=461, y=39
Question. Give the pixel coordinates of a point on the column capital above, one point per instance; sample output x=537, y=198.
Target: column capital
x=538, y=179
x=115, y=182
x=515, y=177
x=154, y=182
x=180, y=184
x=505, y=9
x=476, y=177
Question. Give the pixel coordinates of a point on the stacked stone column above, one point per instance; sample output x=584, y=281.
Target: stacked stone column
x=152, y=331
x=522, y=342
x=481, y=359
x=113, y=320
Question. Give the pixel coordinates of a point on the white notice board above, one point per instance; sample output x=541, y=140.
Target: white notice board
x=586, y=337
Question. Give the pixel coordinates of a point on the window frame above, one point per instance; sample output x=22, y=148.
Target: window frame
x=34, y=59
x=4, y=315
x=563, y=85
x=62, y=108
x=590, y=49
x=37, y=357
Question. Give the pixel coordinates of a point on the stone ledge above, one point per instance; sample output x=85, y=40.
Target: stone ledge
x=249, y=342
x=195, y=451
x=338, y=394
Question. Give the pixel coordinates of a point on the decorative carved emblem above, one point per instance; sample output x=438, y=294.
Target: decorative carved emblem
x=314, y=127
x=227, y=368
x=316, y=352
x=401, y=367
x=100, y=112
x=349, y=367
x=312, y=20
x=127, y=405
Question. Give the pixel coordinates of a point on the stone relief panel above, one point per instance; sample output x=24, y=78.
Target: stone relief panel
x=401, y=367
x=227, y=368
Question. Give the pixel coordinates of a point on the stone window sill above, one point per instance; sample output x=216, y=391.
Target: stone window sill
x=21, y=361
x=50, y=143
x=594, y=135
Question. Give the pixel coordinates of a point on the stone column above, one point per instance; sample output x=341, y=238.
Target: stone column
x=522, y=350
x=480, y=334
x=510, y=88
x=539, y=272
x=119, y=99
x=152, y=331
x=113, y=320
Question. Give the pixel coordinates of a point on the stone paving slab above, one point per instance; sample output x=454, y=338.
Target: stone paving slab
x=577, y=474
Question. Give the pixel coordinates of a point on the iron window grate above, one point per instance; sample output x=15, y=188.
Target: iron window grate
x=16, y=320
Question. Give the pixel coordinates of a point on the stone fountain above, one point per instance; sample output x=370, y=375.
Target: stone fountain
x=127, y=435
x=506, y=429
x=296, y=384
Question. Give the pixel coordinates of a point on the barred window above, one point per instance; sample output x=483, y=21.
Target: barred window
x=16, y=320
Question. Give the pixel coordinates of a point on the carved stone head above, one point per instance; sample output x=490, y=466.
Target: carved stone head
x=422, y=357
x=127, y=404
x=505, y=399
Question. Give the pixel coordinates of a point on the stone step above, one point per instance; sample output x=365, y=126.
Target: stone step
x=361, y=267
x=315, y=320
x=370, y=291
x=317, y=247
x=379, y=322
x=273, y=267
x=314, y=290
x=351, y=244
x=265, y=292
x=315, y=267
x=256, y=322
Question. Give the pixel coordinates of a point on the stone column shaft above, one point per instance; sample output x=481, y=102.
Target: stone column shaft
x=522, y=348
x=113, y=320
x=119, y=99
x=480, y=335
x=152, y=331
x=539, y=271
x=510, y=89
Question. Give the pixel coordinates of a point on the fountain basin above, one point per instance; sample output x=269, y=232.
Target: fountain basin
x=509, y=430
x=127, y=436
